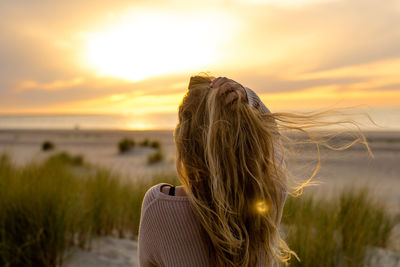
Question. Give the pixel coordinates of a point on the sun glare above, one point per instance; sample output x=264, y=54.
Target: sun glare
x=147, y=44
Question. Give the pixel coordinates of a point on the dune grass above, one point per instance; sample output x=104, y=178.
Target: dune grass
x=125, y=145
x=65, y=158
x=62, y=202
x=46, y=208
x=156, y=157
x=145, y=142
x=336, y=231
x=155, y=144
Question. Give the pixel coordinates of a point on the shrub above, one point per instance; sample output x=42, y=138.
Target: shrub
x=47, y=145
x=155, y=157
x=155, y=144
x=66, y=158
x=125, y=145
x=145, y=142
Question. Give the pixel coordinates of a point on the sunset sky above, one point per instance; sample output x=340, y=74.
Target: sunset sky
x=135, y=57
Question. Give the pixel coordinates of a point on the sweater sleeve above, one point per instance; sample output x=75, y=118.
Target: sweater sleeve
x=255, y=101
x=146, y=248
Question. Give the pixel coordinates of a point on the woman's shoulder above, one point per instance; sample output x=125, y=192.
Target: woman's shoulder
x=150, y=195
x=154, y=194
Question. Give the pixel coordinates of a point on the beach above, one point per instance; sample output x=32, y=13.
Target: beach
x=98, y=147
x=339, y=170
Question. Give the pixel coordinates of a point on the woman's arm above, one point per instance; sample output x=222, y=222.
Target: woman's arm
x=145, y=237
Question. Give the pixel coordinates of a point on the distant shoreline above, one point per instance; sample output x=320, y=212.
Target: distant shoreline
x=365, y=131
x=386, y=118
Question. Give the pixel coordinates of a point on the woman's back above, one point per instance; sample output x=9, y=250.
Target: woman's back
x=170, y=234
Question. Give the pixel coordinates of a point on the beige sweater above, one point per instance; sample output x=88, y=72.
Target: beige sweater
x=169, y=233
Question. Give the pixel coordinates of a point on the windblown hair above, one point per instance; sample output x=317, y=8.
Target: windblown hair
x=231, y=162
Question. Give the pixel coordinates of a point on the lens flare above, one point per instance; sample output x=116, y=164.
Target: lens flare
x=262, y=207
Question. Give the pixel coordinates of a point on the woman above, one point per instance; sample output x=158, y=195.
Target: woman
x=230, y=161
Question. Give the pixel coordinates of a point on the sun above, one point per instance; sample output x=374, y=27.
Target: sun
x=145, y=44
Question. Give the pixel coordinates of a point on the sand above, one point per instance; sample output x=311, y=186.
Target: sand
x=105, y=252
x=339, y=169
x=97, y=147
x=111, y=251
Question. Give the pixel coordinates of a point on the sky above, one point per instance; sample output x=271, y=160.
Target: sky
x=135, y=58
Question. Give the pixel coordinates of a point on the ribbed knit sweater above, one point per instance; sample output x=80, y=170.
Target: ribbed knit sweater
x=169, y=232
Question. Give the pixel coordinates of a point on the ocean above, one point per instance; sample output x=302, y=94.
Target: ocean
x=388, y=119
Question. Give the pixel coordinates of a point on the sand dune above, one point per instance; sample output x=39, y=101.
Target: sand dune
x=339, y=169
x=109, y=251
x=105, y=252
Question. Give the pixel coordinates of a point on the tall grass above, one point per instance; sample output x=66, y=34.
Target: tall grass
x=36, y=213
x=337, y=231
x=48, y=207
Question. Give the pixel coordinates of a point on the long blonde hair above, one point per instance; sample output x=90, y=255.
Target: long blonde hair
x=231, y=162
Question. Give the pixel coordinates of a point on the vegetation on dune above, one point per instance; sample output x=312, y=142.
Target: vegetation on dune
x=158, y=155
x=66, y=158
x=145, y=142
x=125, y=145
x=337, y=231
x=47, y=145
x=155, y=144
x=48, y=207
x=155, y=157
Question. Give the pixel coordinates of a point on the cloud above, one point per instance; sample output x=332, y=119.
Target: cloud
x=330, y=97
x=93, y=94
x=277, y=84
x=316, y=37
x=52, y=86
x=278, y=49
x=394, y=86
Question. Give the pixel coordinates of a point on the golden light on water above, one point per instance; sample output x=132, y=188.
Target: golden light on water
x=140, y=125
x=142, y=45
x=262, y=207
